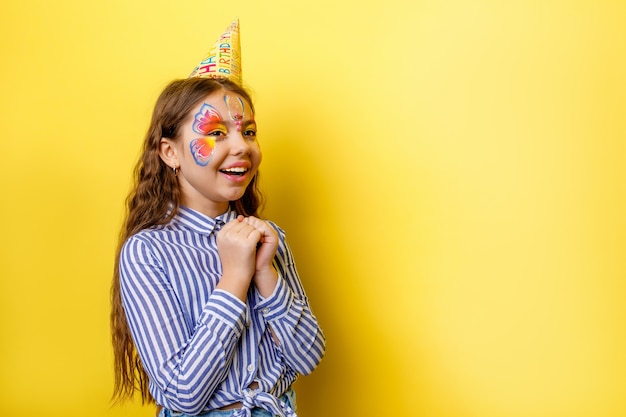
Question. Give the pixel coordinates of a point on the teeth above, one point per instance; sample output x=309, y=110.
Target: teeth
x=235, y=169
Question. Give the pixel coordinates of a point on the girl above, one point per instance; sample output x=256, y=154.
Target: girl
x=209, y=316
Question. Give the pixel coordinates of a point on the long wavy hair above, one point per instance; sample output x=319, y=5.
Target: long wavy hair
x=155, y=200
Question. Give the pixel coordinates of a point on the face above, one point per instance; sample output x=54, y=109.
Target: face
x=217, y=153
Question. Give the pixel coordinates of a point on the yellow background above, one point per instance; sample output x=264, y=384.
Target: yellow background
x=450, y=174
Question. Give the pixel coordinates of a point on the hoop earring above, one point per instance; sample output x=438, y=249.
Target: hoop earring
x=175, y=169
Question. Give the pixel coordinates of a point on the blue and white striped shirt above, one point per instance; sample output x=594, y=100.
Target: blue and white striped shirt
x=202, y=347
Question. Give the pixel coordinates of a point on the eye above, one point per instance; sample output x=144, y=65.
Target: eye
x=250, y=133
x=217, y=134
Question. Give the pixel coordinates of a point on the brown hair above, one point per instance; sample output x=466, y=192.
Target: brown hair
x=154, y=200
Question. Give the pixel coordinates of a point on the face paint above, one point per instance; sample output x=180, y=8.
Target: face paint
x=201, y=150
x=235, y=110
x=205, y=121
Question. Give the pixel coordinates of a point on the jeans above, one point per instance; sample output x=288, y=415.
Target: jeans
x=289, y=397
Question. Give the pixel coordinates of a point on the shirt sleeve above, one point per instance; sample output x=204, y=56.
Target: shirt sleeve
x=287, y=310
x=185, y=361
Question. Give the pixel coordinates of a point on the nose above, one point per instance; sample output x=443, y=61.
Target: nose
x=239, y=145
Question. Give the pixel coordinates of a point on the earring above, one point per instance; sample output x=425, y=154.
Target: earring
x=175, y=169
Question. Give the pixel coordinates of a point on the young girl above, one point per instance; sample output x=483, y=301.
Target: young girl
x=209, y=316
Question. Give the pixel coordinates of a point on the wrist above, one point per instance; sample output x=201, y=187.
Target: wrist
x=266, y=280
x=236, y=284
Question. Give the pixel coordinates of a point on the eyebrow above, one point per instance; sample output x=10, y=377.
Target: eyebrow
x=244, y=122
x=230, y=124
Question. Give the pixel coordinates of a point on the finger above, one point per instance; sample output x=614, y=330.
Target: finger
x=228, y=226
x=235, y=225
x=267, y=231
x=252, y=220
x=241, y=231
x=258, y=224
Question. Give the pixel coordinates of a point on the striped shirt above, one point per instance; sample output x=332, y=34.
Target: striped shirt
x=202, y=347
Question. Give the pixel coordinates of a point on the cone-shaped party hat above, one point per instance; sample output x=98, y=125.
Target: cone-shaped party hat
x=224, y=58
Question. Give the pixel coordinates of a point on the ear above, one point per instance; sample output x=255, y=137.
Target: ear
x=169, y=153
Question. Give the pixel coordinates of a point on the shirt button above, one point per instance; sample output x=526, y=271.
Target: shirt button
x=250, y=368
x=266, y=310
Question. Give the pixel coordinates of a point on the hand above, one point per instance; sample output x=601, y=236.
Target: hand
x=268, y=243
x=237, y=247
x=265, y=276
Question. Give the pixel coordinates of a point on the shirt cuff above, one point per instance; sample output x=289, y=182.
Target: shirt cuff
x=225, y=308
x=278, y=303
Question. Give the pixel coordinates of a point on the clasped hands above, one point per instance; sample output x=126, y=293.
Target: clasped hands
x=247, y=246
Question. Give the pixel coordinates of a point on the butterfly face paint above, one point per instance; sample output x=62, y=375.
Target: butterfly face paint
x=235, y=110
x=205, y=121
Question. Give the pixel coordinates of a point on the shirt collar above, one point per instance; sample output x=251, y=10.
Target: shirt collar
x=201, y=223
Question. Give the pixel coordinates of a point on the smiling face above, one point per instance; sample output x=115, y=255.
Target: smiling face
x=217, y=153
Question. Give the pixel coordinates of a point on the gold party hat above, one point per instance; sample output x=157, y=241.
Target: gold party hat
x=224, y=58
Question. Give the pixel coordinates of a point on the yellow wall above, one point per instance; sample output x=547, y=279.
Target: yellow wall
x=450, y=173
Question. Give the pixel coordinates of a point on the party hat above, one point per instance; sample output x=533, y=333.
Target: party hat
x=224, y=58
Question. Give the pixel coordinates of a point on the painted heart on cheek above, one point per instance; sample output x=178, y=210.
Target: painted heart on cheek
x=202, y=149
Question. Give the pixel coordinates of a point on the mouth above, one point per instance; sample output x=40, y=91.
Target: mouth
x=235, y=171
